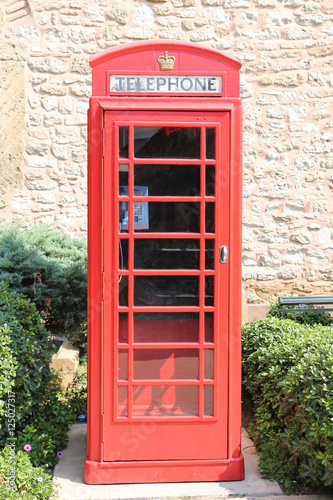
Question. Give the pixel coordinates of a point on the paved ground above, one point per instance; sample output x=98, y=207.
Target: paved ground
x=69, y=474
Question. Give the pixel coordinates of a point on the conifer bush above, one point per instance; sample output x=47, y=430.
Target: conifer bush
x=48, y=267
x=288, y=371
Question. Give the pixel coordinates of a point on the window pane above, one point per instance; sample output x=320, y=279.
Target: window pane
x=123, y=179
x=123, y=254
x=166, y=327
x=123, y=291
x=166, y=290
x=166, y=142
x=168, y=400
x=169, y=180
x=209, y=327
x=165, y=364
x=209, y=254
x=122, y=401
x=210, y=217
x=123, y=328
x=123, y=142
x=209, y=291
x=209, y=400
x=209, y=363
x=173, y=217
x=122, y=364
x=210, y=180
x=167, y=253
x=210, y=143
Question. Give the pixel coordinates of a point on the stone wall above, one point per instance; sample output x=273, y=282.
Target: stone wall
x=287, y=87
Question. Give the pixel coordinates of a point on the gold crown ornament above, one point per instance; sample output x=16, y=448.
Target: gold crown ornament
x=166, y=62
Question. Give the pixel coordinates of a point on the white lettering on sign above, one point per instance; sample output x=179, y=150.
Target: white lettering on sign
x=166, y=83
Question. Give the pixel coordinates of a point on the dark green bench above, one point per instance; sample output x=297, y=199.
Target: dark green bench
x=305, y=304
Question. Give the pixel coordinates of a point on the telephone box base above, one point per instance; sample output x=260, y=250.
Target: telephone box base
x=175, y=471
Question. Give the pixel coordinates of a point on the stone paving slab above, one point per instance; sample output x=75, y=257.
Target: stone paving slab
x=69, y=475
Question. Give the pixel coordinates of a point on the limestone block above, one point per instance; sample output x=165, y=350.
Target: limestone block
x=287, y=273
x=48, y=65
x=143, y=14
x=140, y=33
x=111, y=33
x=27, y=34
x=54, y=36
x=81, y=65
x=279, y=17
x=38, y=148
x=53, y=89
x=202, y=36
x=299, y=33
x=171, y=35
x=20, y=202
x=119, y=13
x=41, y=186
x=75, y=213
x=67, y=361
x=45, y=199
x=82, y=35
x=81, y=90
x=95, y=14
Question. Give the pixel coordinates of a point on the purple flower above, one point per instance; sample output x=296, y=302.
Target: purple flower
x=27, y=447
x=59, y=453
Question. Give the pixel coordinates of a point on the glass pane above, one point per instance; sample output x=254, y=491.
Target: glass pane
x=209, y=290
x=165, y=364
x=209, y=254
x=123, y=142
x=210, y=143
x=209, y=363
x=166, y=142
x=123, y=254
x=123, y=179
x=123, y=291
x=210, y=218
x=210, y=180
x=173, y=217
x=123, y=328
x=167, y=400
x=122, y=401
x=208, y=400
x=169, y=180
x=122, y=364
x=209, y=327
x=166, y=327
x=167, y=253
x=166, y=290
x=123, y=215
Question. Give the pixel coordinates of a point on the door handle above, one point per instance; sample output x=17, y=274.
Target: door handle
x=224, y=254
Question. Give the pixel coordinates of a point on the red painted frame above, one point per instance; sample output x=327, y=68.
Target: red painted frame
x=97, y=470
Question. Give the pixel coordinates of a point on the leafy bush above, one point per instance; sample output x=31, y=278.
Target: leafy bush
x=288, y=370
x=48, y=267
x=27, y=352
x=310, y=315
x=76, y=393
x=7, y=367
x=19, y=480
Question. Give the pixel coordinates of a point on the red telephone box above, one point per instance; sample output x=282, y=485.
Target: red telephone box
x=164, y=286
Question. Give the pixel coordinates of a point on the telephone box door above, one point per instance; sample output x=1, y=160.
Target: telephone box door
x=165, y=319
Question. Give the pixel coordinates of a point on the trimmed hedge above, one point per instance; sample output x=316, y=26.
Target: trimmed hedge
x=288, y=371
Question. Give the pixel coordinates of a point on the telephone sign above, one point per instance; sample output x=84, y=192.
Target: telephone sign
x=164, y=266
x=166, y=83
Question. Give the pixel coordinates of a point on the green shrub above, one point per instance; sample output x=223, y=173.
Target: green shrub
x=7, y=368
x=76, y=393
x=288, y=370
x=310, y=315
x=19, y=480
x=27, y=353
x=48, y=267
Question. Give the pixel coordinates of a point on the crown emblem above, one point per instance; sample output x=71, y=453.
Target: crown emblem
x=166, y=62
